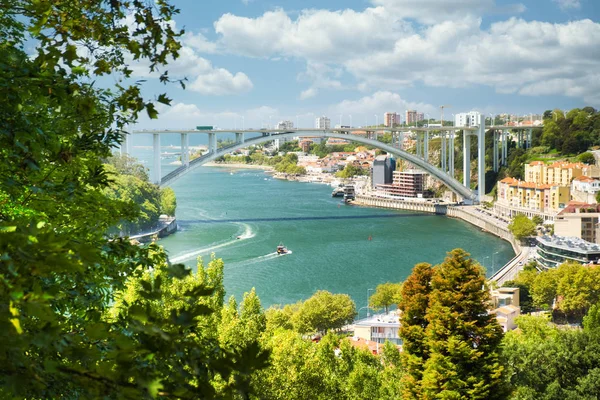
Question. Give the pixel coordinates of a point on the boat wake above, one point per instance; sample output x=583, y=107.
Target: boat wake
x=247, y=234
x=266, y=257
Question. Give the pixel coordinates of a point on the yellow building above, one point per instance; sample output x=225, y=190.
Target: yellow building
x=542, y=198
x=559, y=173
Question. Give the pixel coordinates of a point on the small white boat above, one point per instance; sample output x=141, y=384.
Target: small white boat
x=282, y=250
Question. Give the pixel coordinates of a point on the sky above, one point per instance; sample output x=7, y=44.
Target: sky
x=252, y=63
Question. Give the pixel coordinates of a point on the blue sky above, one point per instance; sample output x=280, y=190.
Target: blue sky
x=255, y=62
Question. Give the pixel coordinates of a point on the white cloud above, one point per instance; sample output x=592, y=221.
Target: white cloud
x=308, y=93
x=199, y=43
x=318, y=35
x=187, y=116
x=202, y=76
x=568, y=4
x=433, y=11
x=512, y=56
x=384, y=101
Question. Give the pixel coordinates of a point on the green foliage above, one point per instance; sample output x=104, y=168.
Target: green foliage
x=174, y=320
x=324, y=311
x=386, y=295
x=521, y=227
x=545, y=362
x=591, y=321
x=351, y=170
x=537, y=220
x=454, y=349
x=525, y=300
x=572, y=287
x=572, y=133
x=587, y=158
x=168, y=201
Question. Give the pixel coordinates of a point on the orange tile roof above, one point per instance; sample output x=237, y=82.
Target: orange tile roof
x=584, y=178
x=536, y=163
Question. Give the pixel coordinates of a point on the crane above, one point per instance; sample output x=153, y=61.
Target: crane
x=442, y=108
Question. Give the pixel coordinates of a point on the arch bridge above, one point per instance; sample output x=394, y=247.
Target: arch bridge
x=443, y=172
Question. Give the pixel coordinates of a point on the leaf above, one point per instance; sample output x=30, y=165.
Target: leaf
x=162, y=98
x=179, y=271
x=17, y=325
x=7, y=229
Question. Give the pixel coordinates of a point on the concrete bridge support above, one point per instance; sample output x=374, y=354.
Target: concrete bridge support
x=426, y=147
x=504, y=147
x=212, y=142
x=481, y=162
x=156, y=176
x=529, y=137
x=466, y=159
x=125, y=144
x=185, y=149
x=495, y=153
x=451, y=148
x=239, y=137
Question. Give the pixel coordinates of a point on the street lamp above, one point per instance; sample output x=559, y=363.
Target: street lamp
x=270, y=123
x=243, y=122
x=340, y=120
x=376, y=121
x=368, y=314
x=297, y=123
x=350, y=120
x=494, y=263
x=491, y=119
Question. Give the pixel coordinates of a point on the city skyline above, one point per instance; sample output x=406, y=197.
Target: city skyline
x=248, y=61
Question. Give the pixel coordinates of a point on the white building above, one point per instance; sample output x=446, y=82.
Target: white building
x=323, y=123
x=285, y=125
x=470, y=119
x=505, y=301
x=379, y=328
x=584, y=189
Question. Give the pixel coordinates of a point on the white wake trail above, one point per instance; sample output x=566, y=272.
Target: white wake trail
x=247, y=234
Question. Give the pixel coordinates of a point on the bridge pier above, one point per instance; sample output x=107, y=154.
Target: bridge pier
x=504, y=146
x=426, y=147
x=124, y=143
x=452, y=135
x=156, y=167
x=443, y=150
x=481, y=161
x=466, y=159
x=495, y=153
x=185, y=149
x=239, y=137
x=529, y=137
x=212, y=142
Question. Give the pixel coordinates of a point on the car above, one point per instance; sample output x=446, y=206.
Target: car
x=520, y=263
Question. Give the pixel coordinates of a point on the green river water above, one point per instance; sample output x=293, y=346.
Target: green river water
x=330, y=242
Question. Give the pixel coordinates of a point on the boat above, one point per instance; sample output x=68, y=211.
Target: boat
x=281, y=250
x=337, y=192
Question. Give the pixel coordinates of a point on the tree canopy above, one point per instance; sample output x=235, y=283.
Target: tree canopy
x=521, y=227
x=386, y=294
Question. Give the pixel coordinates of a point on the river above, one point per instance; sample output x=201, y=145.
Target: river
x=330, y=242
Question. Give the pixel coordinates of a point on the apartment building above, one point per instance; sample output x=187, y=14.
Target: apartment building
x=322, y=123
x=579, y=220
x=537, y=197
x=558, y=173
x=584, y=189
x=391, y=119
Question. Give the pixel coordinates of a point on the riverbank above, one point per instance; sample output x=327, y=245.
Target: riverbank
x=239, y=166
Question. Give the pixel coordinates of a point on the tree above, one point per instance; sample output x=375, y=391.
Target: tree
x=591, y=321
x=324, y=311
x=350, y=170
x=461, y=341
x=61, y=269
x=521, y=227
x=415, y=300
x=385, y=295
x=587, y=158
x=168, y=201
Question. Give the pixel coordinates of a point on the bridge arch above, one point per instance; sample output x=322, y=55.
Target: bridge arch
x=449, y=181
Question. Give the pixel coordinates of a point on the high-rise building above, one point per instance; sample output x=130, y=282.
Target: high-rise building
x=420, y=116
x=411, y=117
x=472, y=118
x=383, y=170
x=285, y=125
x=391, y=119
x=323, y=123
